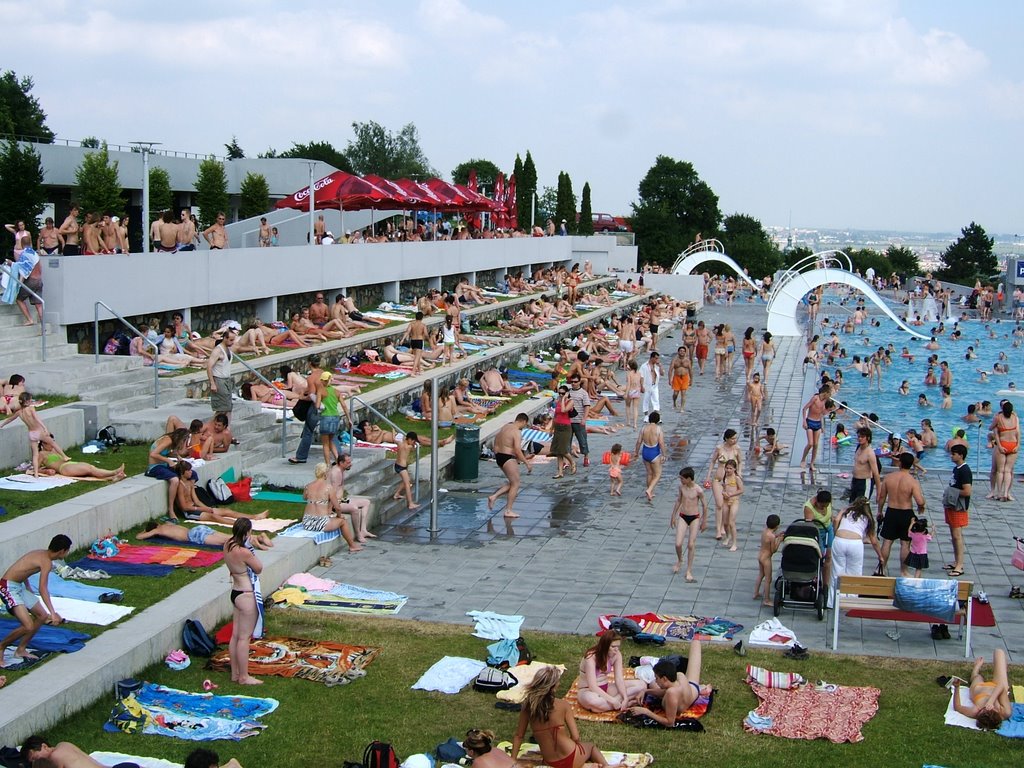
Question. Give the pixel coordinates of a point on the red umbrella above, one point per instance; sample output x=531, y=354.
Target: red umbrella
x=340, y=189
x=454, y=198
x=403, y=198
x=426, y=194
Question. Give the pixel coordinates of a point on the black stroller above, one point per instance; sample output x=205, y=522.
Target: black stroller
x=800, y=583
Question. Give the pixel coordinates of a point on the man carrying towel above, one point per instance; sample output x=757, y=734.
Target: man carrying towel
x=21, y=602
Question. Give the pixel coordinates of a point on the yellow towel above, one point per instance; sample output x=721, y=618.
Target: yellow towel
x=1018, y=693
x=524, y=673
x=529, y=756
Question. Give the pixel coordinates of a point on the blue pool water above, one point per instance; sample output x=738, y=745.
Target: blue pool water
x=897, y=412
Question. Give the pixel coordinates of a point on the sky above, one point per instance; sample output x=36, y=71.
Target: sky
x=864, y=114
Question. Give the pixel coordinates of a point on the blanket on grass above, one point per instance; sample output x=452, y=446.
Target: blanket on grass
x=1012, y=728
x=114, y=568
x=680, y=627
x=530, y=757
x=61, y=587
x=86, y=612
x=26, y=482
x=807, y=713
x=372, y=369
x=699, y=708
x=316, y=660
x=161, y=711
x=178, y=557
x=115, y=758
x=449, y=675
x=340, y=598
x=52, y=639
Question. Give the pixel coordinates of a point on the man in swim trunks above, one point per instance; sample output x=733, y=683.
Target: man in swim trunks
x=957, y=519
x=677, y=691
x=405, y=449
x=681, y=369
x=167, y=233
x=186, y=232
x=416, y=334
x=216, y=235
x=21, y=602
x=200, y=535
x=813, y=414
x=703, y=345
x=64, y=755
x=865, y=467
x=50, y=240
x=508, y=453
x=901, y=489
x=69, y=230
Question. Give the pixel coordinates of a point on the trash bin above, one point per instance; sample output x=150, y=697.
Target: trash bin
x=467, y=452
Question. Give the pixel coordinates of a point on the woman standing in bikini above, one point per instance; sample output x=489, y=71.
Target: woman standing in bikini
x=38, y=434
x=650, y=445
x=321, y=514
x=242, y=563
x=553, y=725
x=767, y=355
x=602, y=686
x=1006, y=444
x=726, y=450
x=749, y=350
x=720, y=350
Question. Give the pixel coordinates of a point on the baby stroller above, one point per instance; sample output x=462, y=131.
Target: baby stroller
x=800, y=583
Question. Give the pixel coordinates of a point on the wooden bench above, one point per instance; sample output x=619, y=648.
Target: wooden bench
x=876, y=593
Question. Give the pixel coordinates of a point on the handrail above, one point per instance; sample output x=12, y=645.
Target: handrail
x=42, y=302
x=96, y=345
x=794, y=269
x=269, y=383
x=710, y=244
x=390, y=423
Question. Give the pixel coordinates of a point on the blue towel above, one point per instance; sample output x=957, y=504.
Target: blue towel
x=60, y=587
x=115, y=568
x=932, y=597
x=503, y=651
x=1014, y=727
x=54, y=639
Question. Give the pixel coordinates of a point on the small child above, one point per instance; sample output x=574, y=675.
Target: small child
x=38, y=435
x=771, y=445
x=919, y=538
x=615, y=470
x=770, y=538
x=685, y=518
x=732, y=489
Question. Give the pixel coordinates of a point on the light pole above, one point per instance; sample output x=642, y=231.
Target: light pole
x=145, y=147
x=312, y=200
x=533, y=210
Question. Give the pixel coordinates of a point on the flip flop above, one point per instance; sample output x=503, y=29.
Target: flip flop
x=955, y=573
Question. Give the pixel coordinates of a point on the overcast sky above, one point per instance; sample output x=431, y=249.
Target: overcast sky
x=863, y=114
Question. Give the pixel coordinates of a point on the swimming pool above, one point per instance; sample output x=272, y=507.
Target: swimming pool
x=898, y=412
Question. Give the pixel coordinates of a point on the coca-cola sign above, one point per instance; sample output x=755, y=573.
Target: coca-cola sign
x=302, y=194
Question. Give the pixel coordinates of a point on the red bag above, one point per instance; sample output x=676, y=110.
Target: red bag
x=241, y=489
x=1017, y=561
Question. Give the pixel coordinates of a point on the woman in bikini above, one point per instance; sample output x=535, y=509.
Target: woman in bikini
x=271, y=395
x=726, y=450
x=479, y=745
x=253, y=340
x=242, y=563
x=602, y=685
x=990, y=702
x=553, y=725
x=11, y=390
x=650, y=445
x=1006, y=445
x=720, y=351
x=38, y=435
x=732, y=489
x=749, y=350
x=322, y=514
x=280, y=335
x=55, y=464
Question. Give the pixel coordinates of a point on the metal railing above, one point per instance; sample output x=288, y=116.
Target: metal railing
x=815, y=260
x=352, y=443
x=269, y=383
x=137, y=332
x=710, y=244
x=42, y=302
x=97, y=144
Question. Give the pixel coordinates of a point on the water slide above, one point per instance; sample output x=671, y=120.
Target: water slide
x=786, y=299
x=704, y=251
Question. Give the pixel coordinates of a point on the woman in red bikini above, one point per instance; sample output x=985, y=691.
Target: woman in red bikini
x=553, y=725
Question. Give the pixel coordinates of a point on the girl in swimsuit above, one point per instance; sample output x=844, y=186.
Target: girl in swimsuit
x=634, y=391
x=1006, y=431
x=240, y=561
x=270, y=395
x=38, y=435
x=749, y=350
x=732, y=489
x=322, y=514
x=650, y=444
x=728, y=449
x=602, y=685
x=11, y=390
x=767, y=354
x=479, y=745
x=990, y=702
x=553, y=725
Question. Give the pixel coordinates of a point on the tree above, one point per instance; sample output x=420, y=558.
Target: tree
x=98, y=188
x=394, y=156
x=797, y=254
x=22, y=197
x=211, y=191
x=254, y=196
x=969, y=258
x=902, y=260
x=529, y=183
x=234, y=151
x=675, y=205
x=547, y=204
x=522, y=213
x=160, y=196
x=323, y=151
x=746, y=241
x=865, y=258
x=486, y=172
x=586, y=222
x=20, y=113
x=90, y=142
x=565, y=207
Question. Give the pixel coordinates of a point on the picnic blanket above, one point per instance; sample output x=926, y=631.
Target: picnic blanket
x=449, y=675
x=178, y=557
x=52, y=639
x=320, y=537
x=162, y=711
x=529, y=756
x=114, y=568
x=699, y=708
x=304, y=590
x=26, y=482
x=316, y=660
x=807, y=713
x=680, y=627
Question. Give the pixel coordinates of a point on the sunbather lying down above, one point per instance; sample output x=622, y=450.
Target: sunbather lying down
x=200, y=534
x=374, y=434
x=990, y=702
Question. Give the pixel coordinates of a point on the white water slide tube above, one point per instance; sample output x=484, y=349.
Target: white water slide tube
x=705, y=251
x=784, y=303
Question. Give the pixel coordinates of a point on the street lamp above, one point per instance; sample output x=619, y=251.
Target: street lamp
x=533, y=210
x=312, y=200
x=145, y=147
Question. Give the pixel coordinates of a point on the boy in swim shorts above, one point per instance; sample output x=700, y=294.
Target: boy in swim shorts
x=21, y=602
x=685, y=518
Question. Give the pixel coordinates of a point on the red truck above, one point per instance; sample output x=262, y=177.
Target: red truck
x=605, y=222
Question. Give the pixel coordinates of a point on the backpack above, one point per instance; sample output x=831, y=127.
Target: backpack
x=492, y=680
x=525, y=657
x=380, y=755
x=196, y=639
x=220, y=491
x=117, y=344
x=108, y=436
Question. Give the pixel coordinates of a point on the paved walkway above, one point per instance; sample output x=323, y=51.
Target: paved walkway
x=577, y=553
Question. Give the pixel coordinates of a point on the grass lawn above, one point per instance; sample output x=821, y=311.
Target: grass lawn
x=906, y=731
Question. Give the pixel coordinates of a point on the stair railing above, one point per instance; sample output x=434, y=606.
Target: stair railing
x=137, y=332
x=284, y=409
x=21, y=285
x=390, y=423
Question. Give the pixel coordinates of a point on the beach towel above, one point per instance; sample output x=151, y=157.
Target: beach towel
x=772, y=634
x=25, y=482
x=807, y=713
x=319, y=661
x=178, y=557
x=496, y=626
x=680, y=627
x=372, y=369
x=449, y=675
x=53, y=639
x=524, y=674
x=529, y=756
x=303, y=590
x=85, y=612
x=14, y=663
x=113, y=758
x=1014, y=727
x=267, y=525
x=289, y=496
x=320, y=537
x=257, y=592
x=770, y=679
x=60, y=587
x=699, y=708
x=114, y=568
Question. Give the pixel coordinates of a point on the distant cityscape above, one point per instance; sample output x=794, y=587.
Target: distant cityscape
x=927, y=245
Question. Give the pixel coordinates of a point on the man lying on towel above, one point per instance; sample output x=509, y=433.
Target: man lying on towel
x=65, y=754
x=677, y=691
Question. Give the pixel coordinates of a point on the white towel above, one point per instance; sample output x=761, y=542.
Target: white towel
x=449, y=675
x=113, y=758
x=86, y=612
x=25, y=482
x=955, y=718
x=760, y=634
x=267, y=525
x=496, y=626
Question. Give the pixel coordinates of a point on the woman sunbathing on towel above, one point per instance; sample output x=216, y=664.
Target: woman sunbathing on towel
x=279, y=335
x=55, y=464
x=374, y=434
x=307, y=331
x=203, y=535
x=272, y=395
x=990, y=702
x=322, y=513
x=553, y=725
x=390, y=354
x=601, y=684
x=253, y=340
x=479, y=745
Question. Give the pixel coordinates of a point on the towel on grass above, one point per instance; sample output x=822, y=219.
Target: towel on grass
x=53, y=639
x=1012, y=728
x=680, y=627
x=320, y=537
x=114, y=568
x=60, y=587
x=807, y=713
x=770, y=679
x=114, y=758
x=529, y=756
x=85, y=612
x=25, y=482
x=267, y=525
x=524, y=674
x=449, y=675
x=303, y=590
x=496, y=626
x=179, y=557
x=18, y=663
x=316, y=660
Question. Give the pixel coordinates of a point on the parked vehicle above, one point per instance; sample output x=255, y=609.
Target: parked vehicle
x=605, y=222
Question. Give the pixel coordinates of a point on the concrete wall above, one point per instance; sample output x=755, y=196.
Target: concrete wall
x=66, y=424
x=151, y=283
x=680, y=287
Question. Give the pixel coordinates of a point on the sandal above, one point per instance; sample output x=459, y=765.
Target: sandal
x=955, y=573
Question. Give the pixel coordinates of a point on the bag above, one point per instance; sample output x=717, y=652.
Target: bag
x=573, y=413
x=108, y=436
x=118, y=344
x=625, y=627
x=220, y=491
x=1017, y=561
x=196, y=639
x=125, y=688
x=646, y=638
x=301, y=409
x=492, y=680
x=932, y=597
x=951, y=499
x=450, y=751
x=380, y=755
x=525, y=657
x=205, y=497
x=241, y=490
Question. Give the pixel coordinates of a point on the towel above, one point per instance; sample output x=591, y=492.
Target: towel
x=62, y=588
x=496, y=626
x=770, y=679
x=807, y=713
x=257, y=591
x=113, y=568
x=85, y=612
x=955, y=718
x=267, y=525
x=772, y=634
x=54, y=639
x=114, y=758
x=524, y=674
x=449, y=675
x=320, y=537
x=25, y=482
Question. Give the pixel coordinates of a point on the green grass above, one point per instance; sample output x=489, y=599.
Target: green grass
x=55, y=401
x=316, y=725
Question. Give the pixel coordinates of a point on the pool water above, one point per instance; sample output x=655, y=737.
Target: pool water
x=898, y=412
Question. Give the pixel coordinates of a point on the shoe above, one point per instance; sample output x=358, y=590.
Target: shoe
x=983, y=598
x=936, y=632
x=1016, y=592
x=956, y=573
x=739, y=650
x=945, y=631
x=296, y=461
x=944, y=680
x=586, y=461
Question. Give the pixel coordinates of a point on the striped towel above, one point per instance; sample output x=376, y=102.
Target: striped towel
x=535, y=436
x=257, y=592
x=320, y=537
x=770, y=679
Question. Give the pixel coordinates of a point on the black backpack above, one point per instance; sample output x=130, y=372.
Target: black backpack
x=380, y=755
x=108, y=436
x=196, y=639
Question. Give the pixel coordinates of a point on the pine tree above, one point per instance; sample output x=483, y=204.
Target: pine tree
x=98, y=187
x=586, y=222
x=522, y=210
x=970, y=258
x=211, y=191
x=529, y=182
x=22, y=197
x=160, y=196
x=254, y=196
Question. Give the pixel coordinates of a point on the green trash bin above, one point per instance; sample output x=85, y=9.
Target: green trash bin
x=467, y=452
